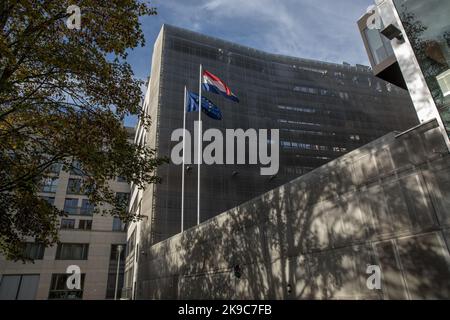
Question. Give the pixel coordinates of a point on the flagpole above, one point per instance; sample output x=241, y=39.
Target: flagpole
x=199, y=158
x=184, y=159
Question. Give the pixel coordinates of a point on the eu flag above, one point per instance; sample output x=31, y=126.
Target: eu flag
x=209, y=108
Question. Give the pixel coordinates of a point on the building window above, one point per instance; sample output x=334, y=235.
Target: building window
x=49, y=184
x=50, y=200
x=118, y=225
x=71, y=206
x=130, y=243
x=55, y=168
x=114, y=252
x=59, y=290
x=74, y=186
x=72, y=251
x=85, y=224
x=379, y=46
x=112, y=274
x=306, y=90
x=76, y=168
x=121, y=179
x=67, y=223
x=122, y=197
x=19, y=287
x=111, y=285
x=33, y=251
x=87, y=208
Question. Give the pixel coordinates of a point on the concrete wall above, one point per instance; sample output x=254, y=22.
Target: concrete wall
x=384, y=204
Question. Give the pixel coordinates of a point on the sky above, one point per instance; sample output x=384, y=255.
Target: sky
x=315, y=29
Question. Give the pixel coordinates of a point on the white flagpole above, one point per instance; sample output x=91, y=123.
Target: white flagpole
x=184, y=159
x=199, y=158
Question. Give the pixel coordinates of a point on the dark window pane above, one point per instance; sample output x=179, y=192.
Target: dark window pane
x=86, y=207
x=74, y=186
x=118, y=225
x=49, y=184
x=34, y=251
x=72, y=251
x=85, y=225
x=67, y=223
x=71, y=205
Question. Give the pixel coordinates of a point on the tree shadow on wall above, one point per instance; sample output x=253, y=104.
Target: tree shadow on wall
x=314, y=237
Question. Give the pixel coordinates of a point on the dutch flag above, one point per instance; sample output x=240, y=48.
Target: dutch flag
x=212, y=83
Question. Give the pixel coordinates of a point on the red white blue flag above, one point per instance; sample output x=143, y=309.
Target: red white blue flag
x=213, y=83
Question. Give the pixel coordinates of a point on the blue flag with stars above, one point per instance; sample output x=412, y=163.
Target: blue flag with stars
x=209, y=108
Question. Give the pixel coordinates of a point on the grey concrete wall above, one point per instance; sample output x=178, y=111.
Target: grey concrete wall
x=386, y=204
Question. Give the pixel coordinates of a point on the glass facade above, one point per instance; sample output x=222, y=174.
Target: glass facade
x=427, y=26
x=322, y=110
x=379, y=45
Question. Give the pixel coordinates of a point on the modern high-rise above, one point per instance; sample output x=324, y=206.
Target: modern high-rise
x=322, y=110
x=408, y=44
x=86, y=240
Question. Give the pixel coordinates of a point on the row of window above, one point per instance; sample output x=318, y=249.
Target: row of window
x=297, y=109
x=76, y=170
x=50, y=184
x=67, y=251
x=309, y=146
x=86, y=208
x=69, y=224
x=241, y=59
x=323, y=92
x=297, y=170
x=74, y=185
x=309, y=132
x=298, y=122
x=64, y=251
x=25, y=286
x=71, y=207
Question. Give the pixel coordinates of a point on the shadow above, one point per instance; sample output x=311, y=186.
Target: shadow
x=313, y=238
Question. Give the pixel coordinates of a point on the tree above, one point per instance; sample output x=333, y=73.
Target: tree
x=63, y=95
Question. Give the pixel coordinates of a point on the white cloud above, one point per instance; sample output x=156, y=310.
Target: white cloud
x=316, y=29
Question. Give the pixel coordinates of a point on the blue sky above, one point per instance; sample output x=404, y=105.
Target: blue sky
x=315, y=29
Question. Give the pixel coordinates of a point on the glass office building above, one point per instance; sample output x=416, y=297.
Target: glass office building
x=323, y=110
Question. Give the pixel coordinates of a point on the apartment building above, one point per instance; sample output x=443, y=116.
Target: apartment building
x=88, y=241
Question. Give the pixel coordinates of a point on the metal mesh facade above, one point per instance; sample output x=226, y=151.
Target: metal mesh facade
x=322, y=110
